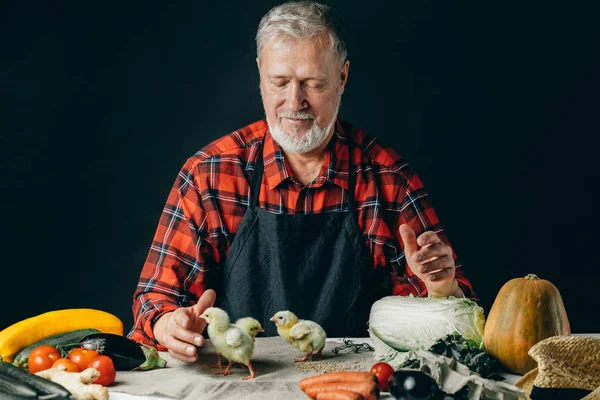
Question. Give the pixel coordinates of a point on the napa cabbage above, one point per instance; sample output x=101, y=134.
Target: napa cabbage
x=401, y=324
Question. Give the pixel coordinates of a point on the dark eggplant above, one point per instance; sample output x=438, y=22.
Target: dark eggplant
x=126, y=354
x=414, y=385
x=22, y=383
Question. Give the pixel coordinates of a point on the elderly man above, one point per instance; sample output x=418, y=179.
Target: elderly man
x=299, y=212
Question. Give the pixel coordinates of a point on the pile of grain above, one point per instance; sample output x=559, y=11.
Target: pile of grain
x=322, y=367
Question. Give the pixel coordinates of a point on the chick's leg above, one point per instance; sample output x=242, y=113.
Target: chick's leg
x=305, y=358
x=252, y=372
x=320, y=353
x=219, y=363
x=225, y=372
x=228, y=369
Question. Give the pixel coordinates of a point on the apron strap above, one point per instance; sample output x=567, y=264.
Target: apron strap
x=351, y=177
x=259, y=168
x=257, y=176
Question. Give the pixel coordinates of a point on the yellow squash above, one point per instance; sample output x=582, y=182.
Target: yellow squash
x=30, y=330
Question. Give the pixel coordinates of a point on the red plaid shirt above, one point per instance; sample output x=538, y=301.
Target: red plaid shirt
x=211, y=194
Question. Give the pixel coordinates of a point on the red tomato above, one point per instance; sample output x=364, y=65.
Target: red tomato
x=65, y=365
x=105, y=366
x=82, y=357
x=383, y=371
x=42, y=358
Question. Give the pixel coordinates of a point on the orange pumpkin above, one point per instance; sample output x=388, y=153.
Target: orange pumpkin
x=525, y=311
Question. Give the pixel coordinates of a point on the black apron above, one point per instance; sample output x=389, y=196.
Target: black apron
x=315, y=265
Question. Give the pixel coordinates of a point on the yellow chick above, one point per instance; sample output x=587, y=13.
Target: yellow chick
x=229, y=340
x=249, y=325
x=307, y=336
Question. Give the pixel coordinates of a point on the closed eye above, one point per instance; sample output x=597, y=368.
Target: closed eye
x=315, y=85
x=279, y=83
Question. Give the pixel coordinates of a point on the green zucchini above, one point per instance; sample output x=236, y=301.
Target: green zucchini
x=13, y=386
x=24, y=379
x=63, y=341
x=10, y=396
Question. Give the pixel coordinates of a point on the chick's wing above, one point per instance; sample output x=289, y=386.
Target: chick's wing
x=300, y=330
x=235, y=337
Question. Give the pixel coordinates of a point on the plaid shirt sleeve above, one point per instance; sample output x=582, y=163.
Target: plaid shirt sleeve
x=172, y=274
x=419, y=214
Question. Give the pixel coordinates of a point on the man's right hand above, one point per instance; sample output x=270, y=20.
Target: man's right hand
x=180, y=331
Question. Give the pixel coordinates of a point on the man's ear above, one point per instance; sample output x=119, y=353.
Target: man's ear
x=344, y=75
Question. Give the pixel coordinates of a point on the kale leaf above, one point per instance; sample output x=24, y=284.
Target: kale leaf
x=466, y=352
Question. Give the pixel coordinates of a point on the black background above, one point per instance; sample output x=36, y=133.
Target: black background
x=493, y=103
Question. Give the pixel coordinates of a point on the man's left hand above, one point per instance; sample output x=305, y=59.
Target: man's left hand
x=431, y=260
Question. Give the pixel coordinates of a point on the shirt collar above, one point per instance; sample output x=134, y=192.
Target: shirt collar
x=334, y=169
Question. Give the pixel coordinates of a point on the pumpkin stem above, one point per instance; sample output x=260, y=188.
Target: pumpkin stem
x=532, y=277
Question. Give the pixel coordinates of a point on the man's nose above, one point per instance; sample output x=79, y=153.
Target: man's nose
x=296, y=98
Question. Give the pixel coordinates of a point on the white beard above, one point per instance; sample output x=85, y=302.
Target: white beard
x=293, y=142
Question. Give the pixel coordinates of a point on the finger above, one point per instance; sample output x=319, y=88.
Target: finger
x=431, y=253
x=430, y=259
x=183, y=317
x=206, y=300
x=409, y=238
x=422, y=270
x=436, y=270
x=437, y=265
x=178, y=345
x=442, y=274
x=182, y=357
x=186, y=336
x=428, y=238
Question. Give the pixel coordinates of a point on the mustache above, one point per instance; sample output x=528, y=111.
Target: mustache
x=295, y=115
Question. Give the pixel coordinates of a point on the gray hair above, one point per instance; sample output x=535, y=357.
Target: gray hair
x=300, y=20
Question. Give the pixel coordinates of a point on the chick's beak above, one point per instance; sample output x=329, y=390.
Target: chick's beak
x=273, y=319
x=261, y=330
x=203, y=317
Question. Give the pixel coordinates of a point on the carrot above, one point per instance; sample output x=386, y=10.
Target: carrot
x=339, y=395
x=368, y=389
x=342, y=376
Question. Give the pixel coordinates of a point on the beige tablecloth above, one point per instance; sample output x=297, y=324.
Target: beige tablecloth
x=277, y=374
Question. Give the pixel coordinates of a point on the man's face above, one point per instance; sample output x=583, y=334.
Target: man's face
x=301, y=83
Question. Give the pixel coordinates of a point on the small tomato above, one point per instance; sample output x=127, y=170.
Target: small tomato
x=66, y=365
x=42, y=358
x=82, y=357
x=383, y=371
x=105, y=366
